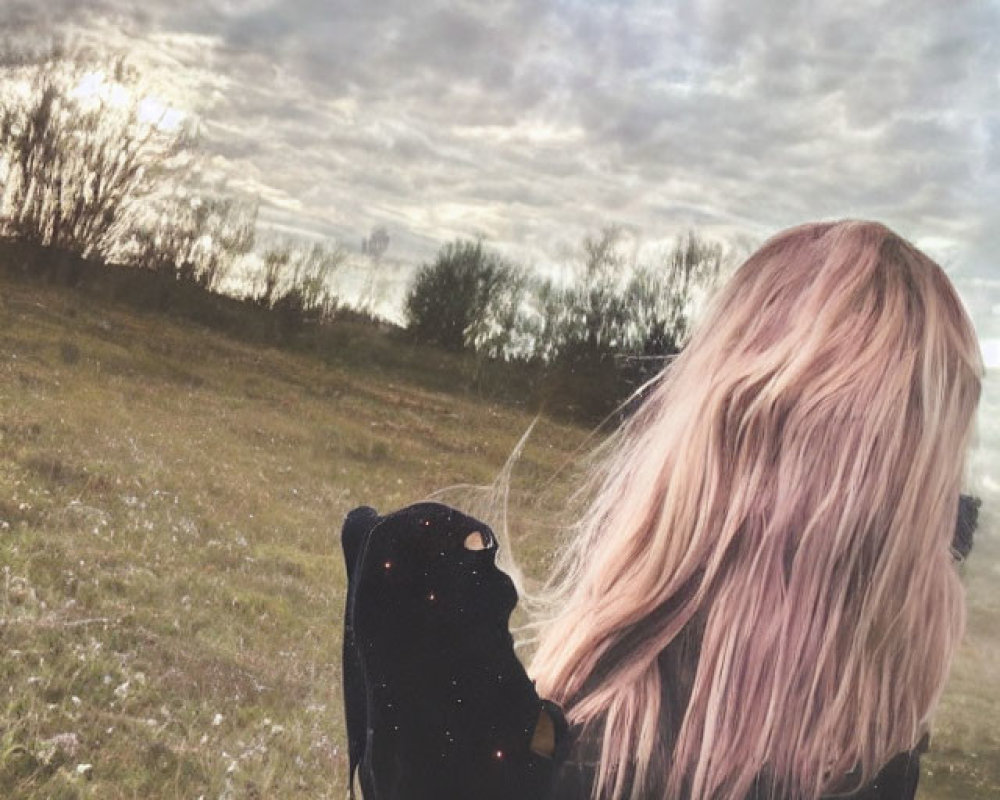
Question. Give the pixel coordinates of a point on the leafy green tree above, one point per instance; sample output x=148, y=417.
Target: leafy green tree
x=464, y=298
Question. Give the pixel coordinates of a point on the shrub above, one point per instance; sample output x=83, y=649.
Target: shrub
x=194, y=239
x=295, y=283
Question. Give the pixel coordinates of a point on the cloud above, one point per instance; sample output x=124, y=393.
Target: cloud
x=535, y=122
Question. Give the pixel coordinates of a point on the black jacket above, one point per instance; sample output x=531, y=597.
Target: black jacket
x=436, y=701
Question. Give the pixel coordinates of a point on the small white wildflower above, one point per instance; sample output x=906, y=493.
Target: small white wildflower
x=68, y=743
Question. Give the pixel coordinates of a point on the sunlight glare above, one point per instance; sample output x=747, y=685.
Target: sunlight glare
x=991, y=353
x=94, y=88
x=153, y=111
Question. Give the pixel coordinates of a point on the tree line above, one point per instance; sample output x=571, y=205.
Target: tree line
x=103, y=176
x=607, y=329
x=92, y=169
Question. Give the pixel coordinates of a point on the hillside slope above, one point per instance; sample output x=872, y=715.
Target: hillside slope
x=172, y=588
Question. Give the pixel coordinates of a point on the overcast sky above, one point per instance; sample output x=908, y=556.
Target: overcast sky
x=533, y=122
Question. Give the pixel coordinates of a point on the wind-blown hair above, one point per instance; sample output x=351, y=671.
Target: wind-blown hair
x=761, y=591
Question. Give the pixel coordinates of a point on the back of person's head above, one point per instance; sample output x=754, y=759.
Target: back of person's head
x=762, y=587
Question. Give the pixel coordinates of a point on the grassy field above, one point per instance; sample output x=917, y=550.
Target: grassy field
x=172, y=587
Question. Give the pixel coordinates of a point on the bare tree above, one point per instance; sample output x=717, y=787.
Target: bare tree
x=275, y=265
x=75, y=173
x=693, y=266
x=194, y=238
x=296, y=281
x=588, y=320
x=374, y=247
x=314, y=268
x=376, y=244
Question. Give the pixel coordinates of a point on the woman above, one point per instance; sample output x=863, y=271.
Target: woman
x=760, y=600
x=762, y=593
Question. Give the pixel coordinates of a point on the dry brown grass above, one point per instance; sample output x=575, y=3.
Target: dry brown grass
x=172, y=588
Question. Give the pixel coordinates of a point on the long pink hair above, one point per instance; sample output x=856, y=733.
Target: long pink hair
x=762, y=586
